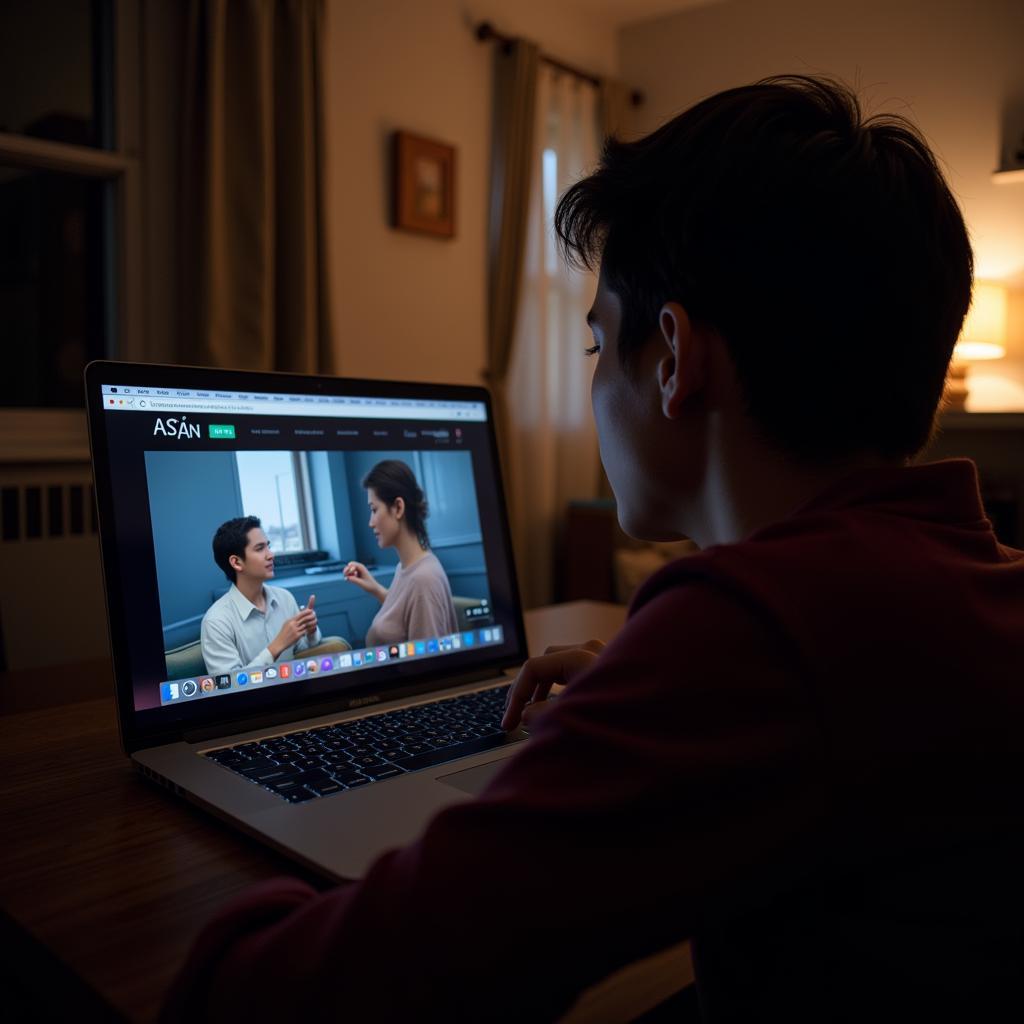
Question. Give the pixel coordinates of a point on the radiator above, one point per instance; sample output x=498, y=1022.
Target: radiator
x=52, y=609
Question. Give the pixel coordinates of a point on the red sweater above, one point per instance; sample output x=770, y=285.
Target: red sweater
x=803, y=751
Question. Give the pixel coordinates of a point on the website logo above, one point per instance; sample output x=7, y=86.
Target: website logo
x=173, y=427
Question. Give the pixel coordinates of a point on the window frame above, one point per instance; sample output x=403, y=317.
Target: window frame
x=60, y=435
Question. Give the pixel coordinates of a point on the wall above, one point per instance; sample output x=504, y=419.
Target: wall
x=954, y=68
x=403, y=305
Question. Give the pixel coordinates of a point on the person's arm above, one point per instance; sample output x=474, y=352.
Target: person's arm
x=312, y=636
x=682, y=765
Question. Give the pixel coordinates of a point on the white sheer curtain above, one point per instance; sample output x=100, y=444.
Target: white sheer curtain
x=553, y=445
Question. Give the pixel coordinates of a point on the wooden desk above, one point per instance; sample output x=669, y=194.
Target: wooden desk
x=105, y=880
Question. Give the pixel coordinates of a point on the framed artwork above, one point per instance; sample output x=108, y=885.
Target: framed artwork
x=423, y=185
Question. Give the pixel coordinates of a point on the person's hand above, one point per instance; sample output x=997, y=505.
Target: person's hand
x=528, y=695
x=293, y=630
x=310, y=617
x=357, y=573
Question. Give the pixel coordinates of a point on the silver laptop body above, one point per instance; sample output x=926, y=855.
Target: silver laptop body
x=179, y=450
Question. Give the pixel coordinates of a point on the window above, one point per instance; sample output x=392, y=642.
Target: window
x=70, y=210
x=275, y=487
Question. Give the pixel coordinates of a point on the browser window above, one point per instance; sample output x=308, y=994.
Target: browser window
x=304, y=541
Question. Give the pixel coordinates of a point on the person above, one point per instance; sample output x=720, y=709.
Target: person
x=253, y=624
x=418, y=605
x=802, y=750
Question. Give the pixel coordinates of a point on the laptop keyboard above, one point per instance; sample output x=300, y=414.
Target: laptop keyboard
x=301, y=766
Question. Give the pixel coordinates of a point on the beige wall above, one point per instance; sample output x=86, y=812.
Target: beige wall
x=954, y=67
x=402, y=305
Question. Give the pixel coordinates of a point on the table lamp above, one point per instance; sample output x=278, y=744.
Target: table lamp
x=982, y=337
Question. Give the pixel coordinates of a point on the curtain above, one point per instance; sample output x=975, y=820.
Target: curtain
x=252, y=247
x=553, y=443
x=515, y=92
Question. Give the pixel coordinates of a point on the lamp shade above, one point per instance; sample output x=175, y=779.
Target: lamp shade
x=984, y=332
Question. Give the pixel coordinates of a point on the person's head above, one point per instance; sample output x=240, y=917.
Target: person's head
x=240, y=547
x=768, y=256
x=396, y=503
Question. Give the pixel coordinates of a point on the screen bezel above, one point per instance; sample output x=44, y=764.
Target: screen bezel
x=450, y=670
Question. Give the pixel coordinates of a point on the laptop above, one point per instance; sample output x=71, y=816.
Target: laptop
x=342, y=745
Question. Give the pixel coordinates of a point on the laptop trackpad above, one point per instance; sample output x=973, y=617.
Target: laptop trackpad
x=473, y=780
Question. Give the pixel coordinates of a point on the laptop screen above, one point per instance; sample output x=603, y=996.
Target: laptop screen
x=283, y=544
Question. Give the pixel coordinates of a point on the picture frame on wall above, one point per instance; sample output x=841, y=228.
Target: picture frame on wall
x=423, y=173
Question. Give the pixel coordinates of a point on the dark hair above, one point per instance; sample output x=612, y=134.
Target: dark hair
x=827, y=252
x=393, y=479
x=230, y=539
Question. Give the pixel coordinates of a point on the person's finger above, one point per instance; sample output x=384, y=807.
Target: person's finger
x=536, y=678
x=534, y=710
x=310, y=602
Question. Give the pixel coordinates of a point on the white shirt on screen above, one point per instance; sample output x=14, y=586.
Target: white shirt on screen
x=235, y=634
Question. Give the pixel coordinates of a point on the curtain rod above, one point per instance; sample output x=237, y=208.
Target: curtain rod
x=485, y=31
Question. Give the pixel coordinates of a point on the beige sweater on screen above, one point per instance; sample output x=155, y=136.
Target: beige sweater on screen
x=418, y=606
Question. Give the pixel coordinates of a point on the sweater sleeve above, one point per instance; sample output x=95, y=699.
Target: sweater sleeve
x=682, y=767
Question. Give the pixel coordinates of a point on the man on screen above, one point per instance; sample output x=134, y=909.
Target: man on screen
x=253, y=624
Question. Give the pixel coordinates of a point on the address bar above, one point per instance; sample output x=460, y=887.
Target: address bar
x=184, y=405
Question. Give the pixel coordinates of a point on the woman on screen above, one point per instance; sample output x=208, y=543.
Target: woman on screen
x=418, y=604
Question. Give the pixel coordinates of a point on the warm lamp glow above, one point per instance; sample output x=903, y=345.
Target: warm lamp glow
x=984, y=331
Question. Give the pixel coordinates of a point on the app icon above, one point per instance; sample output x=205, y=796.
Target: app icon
x=223, y=682
x=242, y=678
x=393, y=651
x=256, y=677
x=357, y=658
x=312, y=666
x=456, y=641
x=446, y=643
x=168, y=691
x=421, y=647
x=467, y=639
x=487, y=636
x=411, y=649
x=369, y=657
x=431, y=647
x=496, y=633
x=345, y=661
x=284, y=671
x=327, y=665
x=206, y=685
x=382, y=655
x=403, y=650
x=299, y=669
x=270, y=673
x=189, y=688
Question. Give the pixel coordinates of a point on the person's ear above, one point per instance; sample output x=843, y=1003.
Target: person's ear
x=236, y=563
x=399, y=507
x=681, y=367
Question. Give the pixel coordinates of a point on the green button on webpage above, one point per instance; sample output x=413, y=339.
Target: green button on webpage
x=222, y=430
